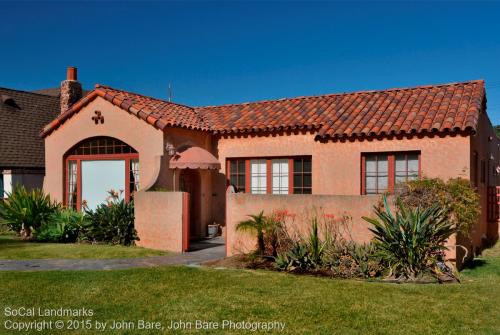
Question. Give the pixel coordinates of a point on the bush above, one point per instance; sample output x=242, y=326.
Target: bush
x=25, y=210
x=458, y=199
x=111, y=222
x=410, y=243
x=64, y=226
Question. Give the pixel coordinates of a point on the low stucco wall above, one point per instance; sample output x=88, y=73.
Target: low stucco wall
x=159, y=219
x=239, y=205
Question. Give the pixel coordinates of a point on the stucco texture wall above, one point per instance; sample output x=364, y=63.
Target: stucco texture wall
x=485, y=149
x=159, y=220
x=144, y=138
x=303, y=207
x=336, y=166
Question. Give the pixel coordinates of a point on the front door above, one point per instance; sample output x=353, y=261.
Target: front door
x=190, y=183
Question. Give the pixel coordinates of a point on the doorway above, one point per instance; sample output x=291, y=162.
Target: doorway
x=189, y=182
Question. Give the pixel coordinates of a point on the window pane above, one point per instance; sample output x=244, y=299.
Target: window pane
x=307, y=180
x=233, y=166
x=371, y=183
x=400, y=162
x=279, y=176
x=297, y=180
x=297, y=165
x=382, y=165
x=413, y=164
x=382, y=184
x=241, y=166
x=307, y=165
x=371, y=164
x=258, y=176
x=241, y=182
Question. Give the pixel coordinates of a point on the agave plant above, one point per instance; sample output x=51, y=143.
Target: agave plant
x=25, y=211
x=411, y=241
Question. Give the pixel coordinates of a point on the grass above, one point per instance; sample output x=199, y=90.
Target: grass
x=308, y=305
x=14, y=248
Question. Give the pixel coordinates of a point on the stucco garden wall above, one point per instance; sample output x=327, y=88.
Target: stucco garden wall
x=160, y=218
x=119, y=124
x=304, y=207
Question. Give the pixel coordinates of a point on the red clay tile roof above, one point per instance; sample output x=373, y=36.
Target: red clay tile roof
x=158, y=113
x=437, y=108
x=449, y=107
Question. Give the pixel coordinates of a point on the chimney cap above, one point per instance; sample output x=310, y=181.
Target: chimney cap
x=72, y=73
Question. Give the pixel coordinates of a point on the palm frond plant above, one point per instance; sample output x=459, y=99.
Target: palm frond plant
x=411, y=241
x=257, y=224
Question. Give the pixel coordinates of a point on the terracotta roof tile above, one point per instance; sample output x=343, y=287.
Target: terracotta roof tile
x=448, y=107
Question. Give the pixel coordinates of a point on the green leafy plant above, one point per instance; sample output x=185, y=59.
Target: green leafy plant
x=111, y=222
x=458, y=199
x=256, y=224
x=410, y=243
x=316, y=246
x=24, y=211
x=64, y=226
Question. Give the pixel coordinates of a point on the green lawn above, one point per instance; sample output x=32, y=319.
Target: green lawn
x=14, y=248
x=307, y=305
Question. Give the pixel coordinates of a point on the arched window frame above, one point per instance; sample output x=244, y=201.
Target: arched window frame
x=75, y=157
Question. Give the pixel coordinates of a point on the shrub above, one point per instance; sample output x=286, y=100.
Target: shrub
x=64, y=226
x=458, y=199
x=411, y=242
x=25, y=210
x=111, y=222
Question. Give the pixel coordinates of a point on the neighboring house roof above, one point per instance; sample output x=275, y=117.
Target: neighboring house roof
x=22, y=114
x=437, y=108
x=56, y=91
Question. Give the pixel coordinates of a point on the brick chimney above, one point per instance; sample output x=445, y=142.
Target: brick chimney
x=71, y=89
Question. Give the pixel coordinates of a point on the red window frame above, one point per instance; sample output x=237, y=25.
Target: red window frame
x=268, y=171
x=391, y=159
x=79, y=158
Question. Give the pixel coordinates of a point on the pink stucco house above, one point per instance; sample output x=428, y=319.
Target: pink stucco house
x=220, y=163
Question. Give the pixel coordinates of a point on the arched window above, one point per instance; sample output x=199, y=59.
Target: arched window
x=95, y=167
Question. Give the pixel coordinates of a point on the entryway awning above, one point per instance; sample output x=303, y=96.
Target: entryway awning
x=194, y=158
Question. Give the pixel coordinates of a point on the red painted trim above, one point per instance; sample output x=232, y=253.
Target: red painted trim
x=247, y=176
x=80, y=158
x=391, y=166
x=102, y=157
x=363, y=174
x=269, y=176
x=185, y=221
x=290, y=176
x=390, y=170
x=79, y=185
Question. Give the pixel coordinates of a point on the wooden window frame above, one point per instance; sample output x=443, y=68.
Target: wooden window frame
x=391, y=161
x=99, y=157
x=269, y=180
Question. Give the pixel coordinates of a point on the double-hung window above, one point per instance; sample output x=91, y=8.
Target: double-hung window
x=258, y=176
x=277, y=175
x=383, y=172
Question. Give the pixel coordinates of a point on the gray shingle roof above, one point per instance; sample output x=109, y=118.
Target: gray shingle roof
x=21, y=121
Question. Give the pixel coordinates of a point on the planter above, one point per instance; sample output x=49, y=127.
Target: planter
x=213, y=230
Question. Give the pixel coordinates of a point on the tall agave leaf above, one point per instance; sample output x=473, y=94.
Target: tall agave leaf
x=409, y=241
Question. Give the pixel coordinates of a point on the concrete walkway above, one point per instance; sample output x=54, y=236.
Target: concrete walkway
x=203, y=251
